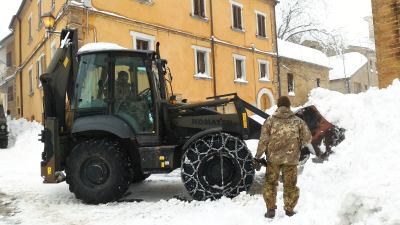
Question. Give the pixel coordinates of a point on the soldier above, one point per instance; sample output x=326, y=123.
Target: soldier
x=282, y=136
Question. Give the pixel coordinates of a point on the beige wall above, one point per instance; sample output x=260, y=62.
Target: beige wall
x=386, y=16
x=305, y=78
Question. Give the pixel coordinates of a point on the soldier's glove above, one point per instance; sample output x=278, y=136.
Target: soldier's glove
x=257, y=163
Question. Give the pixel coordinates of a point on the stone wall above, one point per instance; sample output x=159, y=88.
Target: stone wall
x=305, y=78
x=387, y=35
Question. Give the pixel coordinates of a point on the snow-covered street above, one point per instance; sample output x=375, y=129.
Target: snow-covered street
x=358, y=185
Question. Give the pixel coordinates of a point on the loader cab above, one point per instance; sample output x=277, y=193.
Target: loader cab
x=119, y=83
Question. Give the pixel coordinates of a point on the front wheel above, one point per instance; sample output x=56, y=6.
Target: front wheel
x=217, y=165
x=97, y=171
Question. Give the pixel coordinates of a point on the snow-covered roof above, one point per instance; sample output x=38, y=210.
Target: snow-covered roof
x=302, y=53
x=353, y=61
x=101, y=46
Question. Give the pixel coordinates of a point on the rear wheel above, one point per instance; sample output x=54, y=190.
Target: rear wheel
x=97, y=171
x=217, y=165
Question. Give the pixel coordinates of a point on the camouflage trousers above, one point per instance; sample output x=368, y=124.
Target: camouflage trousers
x=290, y=190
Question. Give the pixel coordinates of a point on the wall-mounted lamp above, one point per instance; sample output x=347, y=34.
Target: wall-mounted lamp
x=48, y=21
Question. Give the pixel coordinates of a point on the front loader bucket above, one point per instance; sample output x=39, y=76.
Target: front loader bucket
x=321, y=130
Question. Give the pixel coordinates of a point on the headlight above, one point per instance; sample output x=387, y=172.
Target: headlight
x=3, y=127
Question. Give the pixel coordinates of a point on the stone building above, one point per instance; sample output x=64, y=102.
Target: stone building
x=351, y=73
x=7, y=75
x=386, y=15
x=225, y=47
x=301, y=70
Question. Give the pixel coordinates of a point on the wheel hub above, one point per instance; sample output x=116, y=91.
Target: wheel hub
x=218, y=171
x=96, y=171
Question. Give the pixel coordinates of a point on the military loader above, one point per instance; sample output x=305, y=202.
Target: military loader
x=110, y=121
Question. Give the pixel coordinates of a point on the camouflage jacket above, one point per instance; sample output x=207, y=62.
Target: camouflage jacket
x=282, y=136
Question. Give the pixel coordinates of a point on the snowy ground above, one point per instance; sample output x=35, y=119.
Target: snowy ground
x=359, y=184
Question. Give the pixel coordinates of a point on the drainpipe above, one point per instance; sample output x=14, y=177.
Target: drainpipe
x=213, y=50
x=21, y=100
x=277, y=54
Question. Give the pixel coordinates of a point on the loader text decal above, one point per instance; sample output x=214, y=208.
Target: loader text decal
x=210, y=122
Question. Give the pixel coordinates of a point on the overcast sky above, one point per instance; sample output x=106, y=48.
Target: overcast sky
x=346, y=15
x=8, y=8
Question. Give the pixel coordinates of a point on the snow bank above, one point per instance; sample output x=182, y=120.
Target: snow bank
x=361, y=183
x=358, y=185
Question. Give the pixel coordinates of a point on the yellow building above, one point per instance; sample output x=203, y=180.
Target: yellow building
x=213, y=47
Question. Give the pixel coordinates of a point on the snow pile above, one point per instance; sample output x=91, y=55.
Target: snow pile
x=302, y=53
x=361, y=183
x=100, y=46
x=358, y=185
x=346, y=65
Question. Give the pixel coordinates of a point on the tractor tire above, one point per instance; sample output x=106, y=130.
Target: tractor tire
x=217, y=165
x=97, y=171
x=3, y=143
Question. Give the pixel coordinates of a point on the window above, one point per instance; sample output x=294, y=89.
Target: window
x=290, y=83
x=318, y=82
x=41, y=67
x=237, y=19
x=142, y=45
x=199, y=8
x=30, y=28
x=53, y=48
x=263, y=67
x=10, y=93
x=92, y=81
x=261, y=24
x=31, y=90
x=53, y=5
x=240, y=68
x=39, y=3
x=202, y=62
x=142, y=41
x=9, y=59
x=133, y=96
x=145, y=1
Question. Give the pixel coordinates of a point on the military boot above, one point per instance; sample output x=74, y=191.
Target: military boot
x=289, y=213
x=270, y=213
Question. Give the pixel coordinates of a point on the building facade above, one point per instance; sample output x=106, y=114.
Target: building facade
x=7, y=75
x=212, y=47
x=386, y=15
x=353, y=72
x=301, y=70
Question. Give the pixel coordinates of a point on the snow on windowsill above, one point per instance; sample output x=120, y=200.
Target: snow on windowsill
x=202, y=76
x=264, y=79
x=291, y=94
x=204, y=19
x=241, y=81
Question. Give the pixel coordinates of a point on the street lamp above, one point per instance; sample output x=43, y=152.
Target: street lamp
x=48, y=21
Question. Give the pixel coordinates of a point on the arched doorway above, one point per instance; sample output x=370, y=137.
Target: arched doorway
x=265, y=99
